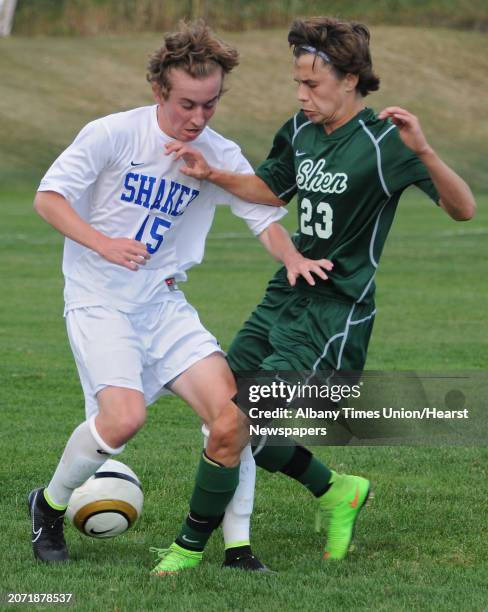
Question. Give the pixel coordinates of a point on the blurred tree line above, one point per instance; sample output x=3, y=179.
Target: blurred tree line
x=86, y=17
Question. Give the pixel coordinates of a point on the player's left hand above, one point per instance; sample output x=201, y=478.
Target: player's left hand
x=301, y=266
x=408, y=128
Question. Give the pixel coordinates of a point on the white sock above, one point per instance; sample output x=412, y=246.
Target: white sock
x=237, y=519
x=79, y=461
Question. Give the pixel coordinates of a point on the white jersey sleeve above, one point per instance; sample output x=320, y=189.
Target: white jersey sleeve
x=79, y=166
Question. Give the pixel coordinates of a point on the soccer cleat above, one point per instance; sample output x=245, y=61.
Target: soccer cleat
x=247, y=562
x=47, y=531
x=175, y=559
x=342, y=504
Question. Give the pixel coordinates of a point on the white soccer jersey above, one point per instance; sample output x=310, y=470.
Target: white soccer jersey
x=117, y=177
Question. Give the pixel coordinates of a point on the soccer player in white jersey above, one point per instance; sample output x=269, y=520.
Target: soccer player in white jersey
x=133, y=226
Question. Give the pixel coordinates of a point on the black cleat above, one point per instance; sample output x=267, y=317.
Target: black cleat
x=247, y=562
x=47, y=531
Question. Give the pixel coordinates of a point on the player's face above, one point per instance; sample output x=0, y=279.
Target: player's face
x=190, y=104
x=324, y=98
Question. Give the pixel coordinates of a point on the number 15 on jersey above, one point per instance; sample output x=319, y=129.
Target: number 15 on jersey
x=152, y=232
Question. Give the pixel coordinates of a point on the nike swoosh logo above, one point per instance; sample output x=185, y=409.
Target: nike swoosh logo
x=300, y=153
x=139, y=164
x=100, y=532
x=36, y=532
x=191, y=541
x=354, y=503
x=102, y=452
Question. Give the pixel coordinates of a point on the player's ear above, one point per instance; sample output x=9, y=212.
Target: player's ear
x=351, y=81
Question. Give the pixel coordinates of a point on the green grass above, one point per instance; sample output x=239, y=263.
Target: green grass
x=421, y=546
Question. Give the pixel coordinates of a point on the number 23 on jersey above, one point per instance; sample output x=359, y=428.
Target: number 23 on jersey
x=322, y=227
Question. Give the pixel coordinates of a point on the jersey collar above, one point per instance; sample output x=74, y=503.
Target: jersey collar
x=366, y=114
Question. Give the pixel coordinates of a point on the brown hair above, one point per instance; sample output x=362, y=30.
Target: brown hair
x=345, y=43
x=195, y=49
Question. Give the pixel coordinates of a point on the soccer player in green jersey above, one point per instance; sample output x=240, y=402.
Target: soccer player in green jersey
x=348, y=168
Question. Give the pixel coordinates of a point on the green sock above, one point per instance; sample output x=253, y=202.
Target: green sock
x=215, y=486
x=297, y=462
x=273, y=458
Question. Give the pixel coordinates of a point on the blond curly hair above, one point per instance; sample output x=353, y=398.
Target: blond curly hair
x=195, y=49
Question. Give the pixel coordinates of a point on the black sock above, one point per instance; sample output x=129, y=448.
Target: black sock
x=45, y=508
x=298, y=463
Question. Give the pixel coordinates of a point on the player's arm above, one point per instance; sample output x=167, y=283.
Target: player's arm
x=248, y=187
x=279, y=245
x=57, y=211
x=455, y=195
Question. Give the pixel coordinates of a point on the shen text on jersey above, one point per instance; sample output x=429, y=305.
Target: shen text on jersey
x=311, y=177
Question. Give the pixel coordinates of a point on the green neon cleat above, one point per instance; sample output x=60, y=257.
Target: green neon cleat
x=342, y=504
x=175, y=559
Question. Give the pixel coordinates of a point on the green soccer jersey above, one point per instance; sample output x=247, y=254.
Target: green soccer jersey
x=348, y=184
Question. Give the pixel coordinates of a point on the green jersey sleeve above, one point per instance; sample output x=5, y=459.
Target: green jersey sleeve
x=278, y=169
x=401, y=167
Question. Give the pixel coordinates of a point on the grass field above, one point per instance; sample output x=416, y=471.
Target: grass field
x=423, y=543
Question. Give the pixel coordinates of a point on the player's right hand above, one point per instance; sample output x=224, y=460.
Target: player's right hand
x=196, y=164
x=302, y=266
x=124, y=252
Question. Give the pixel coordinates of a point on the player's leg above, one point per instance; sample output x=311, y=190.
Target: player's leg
x=207, y=387
x=185, y=358
x=313, y=334
x=121, y=413
x=348, y=494
x=236, y=522
x=254, y=346
x=114, y=414
x=272, y=339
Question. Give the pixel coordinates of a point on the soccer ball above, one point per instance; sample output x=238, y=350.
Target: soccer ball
x=108, y=503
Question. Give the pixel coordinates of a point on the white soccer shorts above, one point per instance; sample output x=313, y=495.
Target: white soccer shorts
x=142, y=351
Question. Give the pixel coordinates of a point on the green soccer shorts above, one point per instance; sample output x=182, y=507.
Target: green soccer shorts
x=302, y=330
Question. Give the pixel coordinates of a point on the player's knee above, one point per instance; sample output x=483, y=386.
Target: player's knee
x=122, y=425
x=226, y=441
x=131, y=421
x=224, y=435
x=122, y=413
